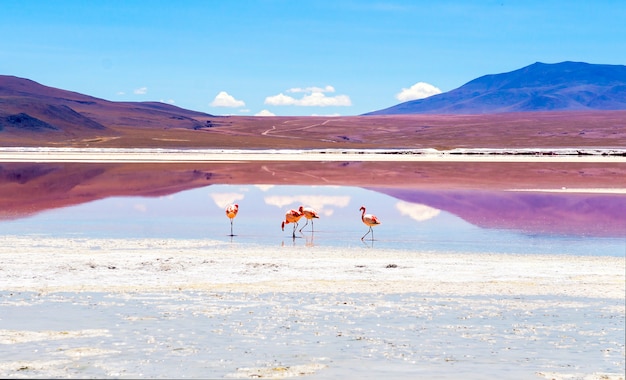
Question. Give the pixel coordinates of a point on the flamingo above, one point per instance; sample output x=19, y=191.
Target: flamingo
x=310, y=214
x=292, y=216
x=369, y=220
x=231, y=213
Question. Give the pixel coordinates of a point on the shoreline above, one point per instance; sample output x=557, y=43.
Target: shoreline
x=147, y=155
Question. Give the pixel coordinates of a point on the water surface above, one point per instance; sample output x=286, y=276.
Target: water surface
x=483, y=223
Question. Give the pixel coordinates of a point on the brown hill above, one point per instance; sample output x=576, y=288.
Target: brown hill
x=35, y=114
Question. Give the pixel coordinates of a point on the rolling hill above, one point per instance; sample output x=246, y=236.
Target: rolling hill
x=59, y=115
x=565, y=86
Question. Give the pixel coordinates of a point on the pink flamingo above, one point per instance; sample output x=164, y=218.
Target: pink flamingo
x=231, y=213
x=370, y=221
x=292, y=216
x=310, y=214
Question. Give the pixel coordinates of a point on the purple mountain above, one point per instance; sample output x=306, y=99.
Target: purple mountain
x=565, y=86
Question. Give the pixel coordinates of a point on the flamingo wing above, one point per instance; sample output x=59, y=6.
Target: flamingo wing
x=231, y=211
x=371, y=220
x=292, y=216
x=310, y=213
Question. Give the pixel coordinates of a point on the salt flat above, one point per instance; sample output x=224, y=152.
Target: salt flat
x=50, y=264
x=157, y=308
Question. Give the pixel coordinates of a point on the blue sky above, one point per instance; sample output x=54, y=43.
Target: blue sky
x=295, y=57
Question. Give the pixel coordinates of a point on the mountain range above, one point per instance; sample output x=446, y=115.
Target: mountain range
x=29, y=107
x=488, y=112
x=565, y=86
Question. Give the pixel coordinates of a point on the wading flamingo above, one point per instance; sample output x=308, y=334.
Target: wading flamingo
x=231, y=213
x=370, y=221
x=292, y=216
x=310, y=214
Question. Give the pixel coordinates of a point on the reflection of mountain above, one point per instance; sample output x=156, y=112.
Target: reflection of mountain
x=27, y=189
x=555, y=213
x=474, y=191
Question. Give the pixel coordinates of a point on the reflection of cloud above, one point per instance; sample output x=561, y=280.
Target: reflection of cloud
x=140, y=207
x=322, y=203
x=264, y=187
x=417, y=211
x=224, y=199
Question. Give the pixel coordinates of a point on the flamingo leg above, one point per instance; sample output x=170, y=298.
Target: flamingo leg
x=307, y=222
x=231, y=228
x=295, y=225
x=368, y=231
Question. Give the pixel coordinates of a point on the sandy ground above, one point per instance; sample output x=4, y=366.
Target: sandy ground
x=213, y=309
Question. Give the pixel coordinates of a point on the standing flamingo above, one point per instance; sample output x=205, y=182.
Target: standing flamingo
x=310, y=214
x=292, y=216
x=231, y=213
x=370, y=221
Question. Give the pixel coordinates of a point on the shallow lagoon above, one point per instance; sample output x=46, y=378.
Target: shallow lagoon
x=198, y=214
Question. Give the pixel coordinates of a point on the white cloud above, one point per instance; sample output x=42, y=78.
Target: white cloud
x=320, y=100
x=312, y=89
x=417, y=211
x=280, y=100
x=313, y=97
x=168, y=101
x=264, y=113
x=419, y=90
x=140, y=91
x=223, y=99
x=224, y=199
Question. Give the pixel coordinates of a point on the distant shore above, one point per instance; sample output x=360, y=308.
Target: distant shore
x=139, y=155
